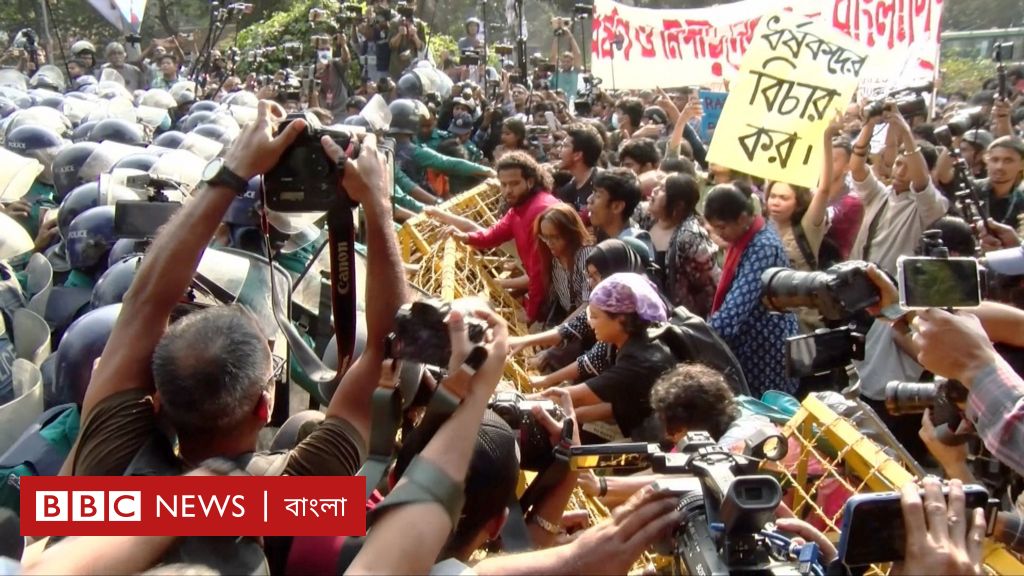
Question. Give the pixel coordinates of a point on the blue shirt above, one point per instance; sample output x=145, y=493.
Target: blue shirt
x=756, y=336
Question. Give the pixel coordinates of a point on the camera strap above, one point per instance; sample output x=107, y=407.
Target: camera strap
x=804, y=245
x=386, y=414
x=554, y=473
x=873, y=227
x=341, y=239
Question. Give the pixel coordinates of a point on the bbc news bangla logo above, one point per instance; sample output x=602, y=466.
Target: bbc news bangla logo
x=88, y=506
x=193, y=506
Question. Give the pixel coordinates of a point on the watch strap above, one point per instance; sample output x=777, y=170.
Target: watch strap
x=893, y=312
x=226, y=177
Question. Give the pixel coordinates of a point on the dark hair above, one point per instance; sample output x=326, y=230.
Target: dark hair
x=643, y=151
x=925, y=132
x=489, y=484
x=931, y=155
x=696, y=398
x=452, y=148
x=633, y=108
x=1010, y=143
x=586, y=140
x=802, y=195
x=170, y=57
x=681, y=193
x=727, y=202
x=612, y=256
x=516, y=127
x=209, y=369
x=679, y=165
x=844, y=144
x=983, y=98
x=622, y=186
x=956, y=235
x=632, y=323
x=528, y=168
x=570, y=227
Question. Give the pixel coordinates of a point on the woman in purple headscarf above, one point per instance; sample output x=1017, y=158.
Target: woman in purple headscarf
x=621, y=309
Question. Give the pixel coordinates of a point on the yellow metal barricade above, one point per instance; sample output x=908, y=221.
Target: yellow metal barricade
x=834, y=454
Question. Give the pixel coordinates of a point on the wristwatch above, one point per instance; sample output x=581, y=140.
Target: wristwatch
x=217, y=174
x=893, y=312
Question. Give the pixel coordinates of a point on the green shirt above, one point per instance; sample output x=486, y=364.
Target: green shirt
x=40, y=199
x=436, y=137
x=79, y=279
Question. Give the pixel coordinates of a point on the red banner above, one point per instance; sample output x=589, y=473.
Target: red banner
x=635, y=48
x=193, y=506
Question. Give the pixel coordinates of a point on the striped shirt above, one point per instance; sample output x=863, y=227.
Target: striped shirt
x=995, y=406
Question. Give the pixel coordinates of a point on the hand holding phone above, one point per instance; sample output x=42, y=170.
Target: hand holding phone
x=918, y=526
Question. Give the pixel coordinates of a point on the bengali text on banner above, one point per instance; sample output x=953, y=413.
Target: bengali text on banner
x=797, y=74
x=705, y=46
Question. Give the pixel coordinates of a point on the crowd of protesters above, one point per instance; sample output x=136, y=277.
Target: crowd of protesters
x=619, y=226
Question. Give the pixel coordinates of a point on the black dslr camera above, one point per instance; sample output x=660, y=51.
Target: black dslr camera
x=535, y=449
x=908, y=104
x=469, y=57
x=836, y=292
x=305, y=179
x=421, y=334
x=405, y=11
x=943, y=398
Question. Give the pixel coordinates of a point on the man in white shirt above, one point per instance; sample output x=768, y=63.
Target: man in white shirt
x=894, y=215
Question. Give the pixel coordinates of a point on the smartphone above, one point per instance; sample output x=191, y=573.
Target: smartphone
x=625, y=456
x=873, y=531
x=938, y=282
x=139, y=219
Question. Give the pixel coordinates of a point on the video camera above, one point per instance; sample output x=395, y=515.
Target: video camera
x=469, y=57
x=405, y=11
x=734, y=499
x=1002, y=52
x=909, y=102
x=542, y=64
x=305, y=179
x=535, y=449
x=560, y=26
x=837, y=292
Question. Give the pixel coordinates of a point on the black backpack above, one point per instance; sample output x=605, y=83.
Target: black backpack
x=690, y=339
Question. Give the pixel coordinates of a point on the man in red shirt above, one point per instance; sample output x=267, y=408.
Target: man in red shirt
x=526, y=188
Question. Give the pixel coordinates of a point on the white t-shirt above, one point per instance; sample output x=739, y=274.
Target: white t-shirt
x=899, y=228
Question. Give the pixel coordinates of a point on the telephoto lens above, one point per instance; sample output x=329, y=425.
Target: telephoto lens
x=910, y=397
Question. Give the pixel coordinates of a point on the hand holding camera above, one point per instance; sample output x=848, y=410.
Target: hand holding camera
x=364, y=177
x=257, y=149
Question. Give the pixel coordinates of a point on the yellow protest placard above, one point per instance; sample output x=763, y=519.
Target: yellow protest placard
x=794, y=77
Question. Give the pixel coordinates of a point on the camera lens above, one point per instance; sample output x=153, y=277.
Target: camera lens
x=909, y=397
x=785, y=289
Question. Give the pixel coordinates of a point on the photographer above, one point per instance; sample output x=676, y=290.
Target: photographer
x=332, y=72
x=210, y=376
x=569, y=64
x=405, y=42
x=894, y=215
x=424, y=524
